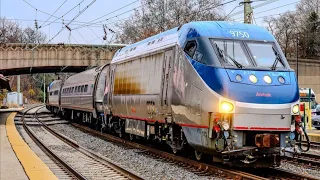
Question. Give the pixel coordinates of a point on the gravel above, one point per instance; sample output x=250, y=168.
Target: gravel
x=314, y=151
x=299, y=168
x=88, y=167
x=129, y=159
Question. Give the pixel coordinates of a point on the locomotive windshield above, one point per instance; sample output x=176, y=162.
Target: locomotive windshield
x=258, y=55
x=265, y=55
x=232, y=53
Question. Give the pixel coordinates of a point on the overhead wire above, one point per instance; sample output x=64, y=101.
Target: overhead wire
x=53, y=13
x=26, y=20
x=117, y=16
x=82, y=37
x=48, y=13
x=113, y=11
x=67, y=25
x=64, y=14
x=271, y=9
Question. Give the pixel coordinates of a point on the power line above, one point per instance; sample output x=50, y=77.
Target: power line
x=63, y=14
x=48, y=13
x=27, y=20
x=271, y=9
x=89, y=24
x=53, y=13
x=67, y=25
x=82, y=37
x=112, y=12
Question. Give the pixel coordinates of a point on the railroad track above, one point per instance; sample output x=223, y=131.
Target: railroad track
x=308, y=159
x=312, y=144
x=76, y=161
x=199, y=167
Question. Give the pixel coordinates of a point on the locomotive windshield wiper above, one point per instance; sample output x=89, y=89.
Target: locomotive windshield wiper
x=221, y=54
x=278, y=58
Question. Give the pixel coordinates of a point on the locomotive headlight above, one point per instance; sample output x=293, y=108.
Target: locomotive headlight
x=267, y=79
x=295, y=109
x=226, y=106
x=253, y=79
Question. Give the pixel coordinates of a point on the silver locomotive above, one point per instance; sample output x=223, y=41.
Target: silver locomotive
x=223, y=88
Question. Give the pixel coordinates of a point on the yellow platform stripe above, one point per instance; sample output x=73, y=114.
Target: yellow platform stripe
x=313, y=134
x=34, y=167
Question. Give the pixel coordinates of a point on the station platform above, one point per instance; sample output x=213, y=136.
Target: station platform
x=314, y=135
x=17, y=160
x=10, y=110
x=10, y=167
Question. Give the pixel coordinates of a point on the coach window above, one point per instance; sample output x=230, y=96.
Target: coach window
x=85, y=88
x=190, y=48
x=72, y=89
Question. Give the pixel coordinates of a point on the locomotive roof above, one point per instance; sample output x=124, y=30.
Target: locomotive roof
x=178, y=35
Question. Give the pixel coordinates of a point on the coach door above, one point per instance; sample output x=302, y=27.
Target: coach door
x=166, y=69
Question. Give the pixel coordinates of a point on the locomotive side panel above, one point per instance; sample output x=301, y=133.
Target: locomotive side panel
x=137, y=88
x=193, y=104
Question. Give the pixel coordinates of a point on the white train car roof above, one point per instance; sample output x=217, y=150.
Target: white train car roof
x=55, y=85
x=84, y=77
x=152, y=44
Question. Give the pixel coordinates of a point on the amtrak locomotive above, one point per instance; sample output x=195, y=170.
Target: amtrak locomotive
x=223, y=88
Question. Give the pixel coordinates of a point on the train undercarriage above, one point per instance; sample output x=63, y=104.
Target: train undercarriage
x=173, y=136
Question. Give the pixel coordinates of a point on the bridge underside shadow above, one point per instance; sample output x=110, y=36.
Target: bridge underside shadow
x=47, y=69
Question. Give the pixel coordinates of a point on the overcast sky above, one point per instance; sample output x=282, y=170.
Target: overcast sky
x=26, y=15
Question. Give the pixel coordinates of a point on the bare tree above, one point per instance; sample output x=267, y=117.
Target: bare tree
x=10, y=32
x=156, y=16
x=304, y=23
x=33, y=36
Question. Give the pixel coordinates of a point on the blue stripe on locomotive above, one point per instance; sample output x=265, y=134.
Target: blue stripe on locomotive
x=218, y=80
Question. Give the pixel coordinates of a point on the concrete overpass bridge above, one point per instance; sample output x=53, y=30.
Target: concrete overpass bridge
x=18, y=59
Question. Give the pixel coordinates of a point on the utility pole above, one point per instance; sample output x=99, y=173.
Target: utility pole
x=18, y=90
x=247, y=12
x=44, y=88
x=297, y=54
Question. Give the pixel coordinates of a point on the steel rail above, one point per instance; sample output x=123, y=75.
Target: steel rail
x=232, y=173
x=200, y=167
x=46, y=149
x=306, y=158
x=88, y=153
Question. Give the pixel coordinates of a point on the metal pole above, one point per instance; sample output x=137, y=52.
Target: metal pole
x=18, y=90
x=44, y=88
x=247, y=12
x=297, y=60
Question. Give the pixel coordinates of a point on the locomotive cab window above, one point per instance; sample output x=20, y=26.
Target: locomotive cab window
x=190, y=48
x=265, y=55
x=231, y=53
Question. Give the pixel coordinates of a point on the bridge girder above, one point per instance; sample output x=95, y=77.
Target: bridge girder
x=48, y=58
